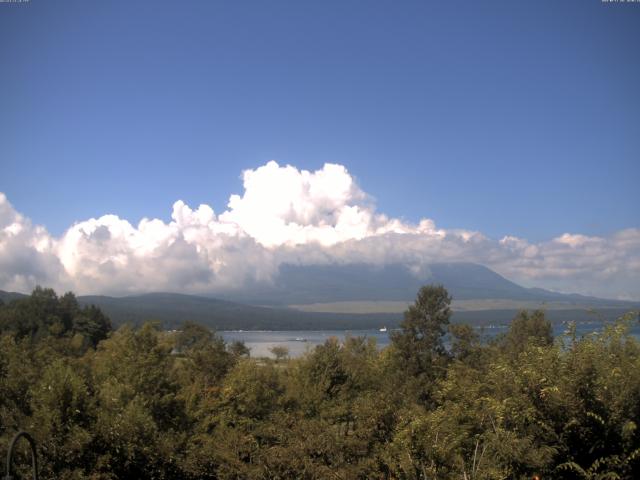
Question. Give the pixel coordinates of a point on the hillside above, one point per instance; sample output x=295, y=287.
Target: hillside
x=173, y=309
x=352, y=297
x=299, y=285
x=7, y=297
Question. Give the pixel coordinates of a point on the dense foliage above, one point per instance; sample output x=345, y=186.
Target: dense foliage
x=143, y=403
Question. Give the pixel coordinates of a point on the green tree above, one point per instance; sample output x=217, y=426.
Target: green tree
x=279, y=352
x=92, y=324
x=465, y=342
x=528, y=329
x=238, y=349
x=44, y=314
x=141, y=423
x=419, y=346
x=193, y=336
x=63, y=416
x=35, y=316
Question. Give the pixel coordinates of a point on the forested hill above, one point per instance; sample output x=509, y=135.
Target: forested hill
x=6, y=297
x=173, y=309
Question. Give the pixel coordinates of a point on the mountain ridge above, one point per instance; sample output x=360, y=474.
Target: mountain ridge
x=480, y=295
x=299, y=285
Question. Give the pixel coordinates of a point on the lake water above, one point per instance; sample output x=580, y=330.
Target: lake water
x=300, y=341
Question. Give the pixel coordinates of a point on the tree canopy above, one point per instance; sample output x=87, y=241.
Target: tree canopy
x=150, y=404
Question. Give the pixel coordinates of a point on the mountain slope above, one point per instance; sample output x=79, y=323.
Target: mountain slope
x=172, y=309
x=297, y=285
x=480, y=296
x=7, y=297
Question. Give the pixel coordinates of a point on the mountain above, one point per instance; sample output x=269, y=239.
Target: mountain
x=351, y=297
x=6, y=297
x=300, y=285
x=172, y=309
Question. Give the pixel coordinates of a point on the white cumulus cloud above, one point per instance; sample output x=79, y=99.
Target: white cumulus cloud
x=27, y=252
x=287, y=206
x=295, y=216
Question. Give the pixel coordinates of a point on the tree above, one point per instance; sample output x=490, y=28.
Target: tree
x=92, y=324
x=418, y=345
x=465, y=342
x=238, y=349
x=528, y=328
x=141, y=421
x=62, y=420
x=279, y=352
x=193, y=336
x=35, y=316
x=44, y=314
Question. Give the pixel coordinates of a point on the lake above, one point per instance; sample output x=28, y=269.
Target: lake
x=300, y=341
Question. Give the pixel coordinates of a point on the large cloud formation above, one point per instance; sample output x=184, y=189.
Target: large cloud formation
x=294, y=216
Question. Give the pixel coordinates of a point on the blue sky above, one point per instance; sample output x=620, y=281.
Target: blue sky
x=511, y=118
